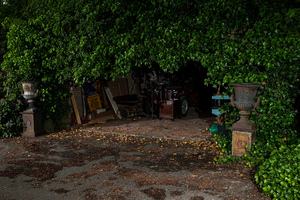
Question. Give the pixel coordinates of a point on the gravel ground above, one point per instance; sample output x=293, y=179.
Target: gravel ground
x=123, y=159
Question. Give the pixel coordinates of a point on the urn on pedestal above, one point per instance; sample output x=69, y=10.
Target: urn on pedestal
x=32, y=116
x=243, y=130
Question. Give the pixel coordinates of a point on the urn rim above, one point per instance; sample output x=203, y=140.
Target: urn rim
x=246, y=84
x=24, y=82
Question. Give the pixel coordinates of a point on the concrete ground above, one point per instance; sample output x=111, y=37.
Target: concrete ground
x=123, y=159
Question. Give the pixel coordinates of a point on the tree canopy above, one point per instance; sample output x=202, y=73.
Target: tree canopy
x=84, y=39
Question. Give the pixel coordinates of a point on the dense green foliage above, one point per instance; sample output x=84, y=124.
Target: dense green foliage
x=14, y=10
x=10, y=120
x=237, y=41
x=279, y=175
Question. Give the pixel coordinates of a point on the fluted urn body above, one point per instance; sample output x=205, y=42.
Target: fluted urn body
x=30, y=92
x=245, y=94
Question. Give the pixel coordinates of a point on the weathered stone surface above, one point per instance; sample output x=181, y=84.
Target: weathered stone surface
x=240, y=140
x=32, y=123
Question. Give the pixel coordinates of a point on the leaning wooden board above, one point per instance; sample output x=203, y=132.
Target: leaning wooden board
x=112, y=102
x=75, y=107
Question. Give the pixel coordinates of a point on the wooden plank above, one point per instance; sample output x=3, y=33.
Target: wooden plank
x=75, y=107
x=114, y=88
x=123, y=85
x=112, y=102
x=100, y=120
x=79, y=101
x=95, y=115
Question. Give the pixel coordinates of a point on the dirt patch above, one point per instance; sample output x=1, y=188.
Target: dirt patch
x=155, y=193
x=61, y=191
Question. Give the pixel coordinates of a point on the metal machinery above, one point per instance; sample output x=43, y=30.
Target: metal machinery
x=163, y=100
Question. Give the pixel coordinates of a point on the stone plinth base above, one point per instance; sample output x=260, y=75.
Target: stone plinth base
x=32, y=123
x=240, y=140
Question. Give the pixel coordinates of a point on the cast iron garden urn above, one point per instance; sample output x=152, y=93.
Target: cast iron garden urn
x=30, y=92
x=32, y=117
x=244, y=100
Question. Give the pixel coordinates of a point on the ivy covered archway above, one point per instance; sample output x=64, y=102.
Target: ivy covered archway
x=236, y=41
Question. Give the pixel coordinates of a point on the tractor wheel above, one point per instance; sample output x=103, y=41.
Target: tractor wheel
x=184, y=106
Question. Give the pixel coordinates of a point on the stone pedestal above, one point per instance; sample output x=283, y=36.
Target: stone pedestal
x=240, y=140
x=32, y=123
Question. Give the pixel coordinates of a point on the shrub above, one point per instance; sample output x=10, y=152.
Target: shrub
x=279, y=175
x=224, y=143
x=10, y=117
